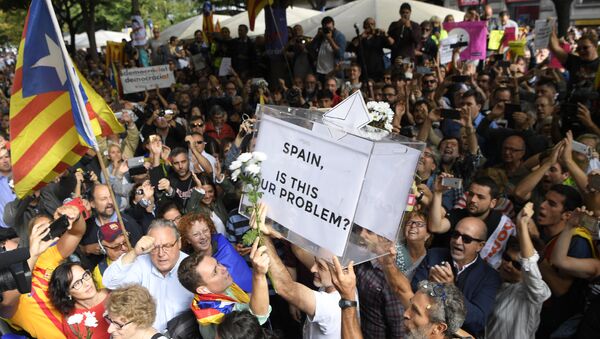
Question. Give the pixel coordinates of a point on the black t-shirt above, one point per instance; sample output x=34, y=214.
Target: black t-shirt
x=581, y=70
x=457, y=214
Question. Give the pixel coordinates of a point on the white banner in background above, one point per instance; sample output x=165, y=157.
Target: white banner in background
x=146, y=78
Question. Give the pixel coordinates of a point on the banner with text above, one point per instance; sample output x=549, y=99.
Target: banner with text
x=471, y=36
x=311, y=182
x=146, y=78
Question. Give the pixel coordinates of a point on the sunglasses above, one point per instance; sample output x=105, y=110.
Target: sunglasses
x=515, y=263
x=467, y=239
x=198, y=125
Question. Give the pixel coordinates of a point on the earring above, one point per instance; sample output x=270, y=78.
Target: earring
x=70, y=298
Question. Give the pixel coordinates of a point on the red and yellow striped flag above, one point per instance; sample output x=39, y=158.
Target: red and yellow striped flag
x=54, y=116
x=254, y=7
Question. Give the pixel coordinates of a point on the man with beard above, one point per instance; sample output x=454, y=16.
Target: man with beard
x=104, y=212
x=184, y=105
x=519, y=300
x=482, y=197
x=461, y=265
x=429, y=85
x=177, y=181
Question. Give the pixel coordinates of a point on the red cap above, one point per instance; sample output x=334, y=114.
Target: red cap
x=110, y=231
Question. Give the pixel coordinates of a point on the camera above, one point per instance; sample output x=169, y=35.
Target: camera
x=14, y=270
x=326, y=30
x=87, y=176
x=164, y=112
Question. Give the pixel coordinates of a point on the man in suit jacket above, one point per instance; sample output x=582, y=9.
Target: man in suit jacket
x=461, y=265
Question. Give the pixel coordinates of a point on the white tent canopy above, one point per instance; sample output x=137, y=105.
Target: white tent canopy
x=102, y=36
x=384, y=11
x=186, y=28
x=293, y=15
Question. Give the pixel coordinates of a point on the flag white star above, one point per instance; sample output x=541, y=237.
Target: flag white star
x=54, y=60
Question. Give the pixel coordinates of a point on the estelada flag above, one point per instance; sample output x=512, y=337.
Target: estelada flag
x=53, y=121
x=254, y=7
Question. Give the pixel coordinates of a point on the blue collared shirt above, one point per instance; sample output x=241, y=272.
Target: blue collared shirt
x=6, y=195
x=171, y=297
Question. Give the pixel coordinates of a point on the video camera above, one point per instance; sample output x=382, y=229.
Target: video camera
x=14, y=270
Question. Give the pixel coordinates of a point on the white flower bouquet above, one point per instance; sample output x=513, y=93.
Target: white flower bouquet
x=89, y=321
x=246, y=168
x=381, y=115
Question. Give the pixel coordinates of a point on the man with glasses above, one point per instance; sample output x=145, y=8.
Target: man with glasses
x=461, y=265
x=519, y=300
x=153, y=263
x=482, y=197
x=429, y=85
x=112, y=244
x=200, y=160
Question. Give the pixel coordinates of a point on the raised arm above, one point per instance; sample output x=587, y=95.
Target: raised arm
x=68, y=242
x=259, y=300
x=554, y=46
x=398, y=282
x=527, y=185
x=438, y=223
x=344, y=281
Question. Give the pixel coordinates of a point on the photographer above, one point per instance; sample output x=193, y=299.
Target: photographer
x=163, y=124
x=329, y=46
x=34, y=312
x=368, y=47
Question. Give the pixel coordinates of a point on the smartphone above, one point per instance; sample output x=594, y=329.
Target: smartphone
x=154, y=138
x=78, y=202
x=591, y=223
x=424, y=70
x=460, y=78
x=594, y=182
x=57, y=228
x=582, y=148
x=504, y=63
x=452, y=182
x=447, y=113
x=136, y=166
x=509, y=109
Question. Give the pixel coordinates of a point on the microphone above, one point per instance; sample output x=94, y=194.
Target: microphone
x=356, y=29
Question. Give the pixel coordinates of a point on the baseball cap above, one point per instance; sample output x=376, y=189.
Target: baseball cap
x=110, y=231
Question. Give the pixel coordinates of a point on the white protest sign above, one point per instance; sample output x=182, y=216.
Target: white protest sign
x=311, y=181
x=144, y=78
x=543, y=29
x=224, y=69
x=446, y=49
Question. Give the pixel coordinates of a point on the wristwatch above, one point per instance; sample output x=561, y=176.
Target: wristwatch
x=345, y=303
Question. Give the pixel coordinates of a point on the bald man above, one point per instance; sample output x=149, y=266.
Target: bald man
x=462, y=265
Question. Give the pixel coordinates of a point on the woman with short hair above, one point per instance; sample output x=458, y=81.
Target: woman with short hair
x=130, y=313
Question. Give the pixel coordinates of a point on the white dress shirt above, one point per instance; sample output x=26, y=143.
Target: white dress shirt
x=170, y=296
x=518, y=305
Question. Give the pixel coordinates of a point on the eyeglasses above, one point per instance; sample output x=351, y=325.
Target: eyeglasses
x=415, y=223
x=467, y=239
x=512, y=150
x=165, y=247
x=198, y=125
x=515, y=263
x=117, y=325
x=117, y=246
x=79, y=282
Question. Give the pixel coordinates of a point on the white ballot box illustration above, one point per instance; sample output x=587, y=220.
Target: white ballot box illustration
x=331, y=188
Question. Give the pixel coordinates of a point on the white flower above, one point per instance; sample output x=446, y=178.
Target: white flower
x=244, y=157
x=235, y=165
x=388, y=126
x=253, y=169
x=235, y=174
x=75, y=319
x=90, y=319
x=259, y=156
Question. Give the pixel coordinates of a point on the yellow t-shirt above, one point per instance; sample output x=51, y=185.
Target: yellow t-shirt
x=35, y=313
x=98, y=276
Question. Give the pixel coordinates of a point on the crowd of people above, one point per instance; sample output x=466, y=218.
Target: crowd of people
x=501, y=242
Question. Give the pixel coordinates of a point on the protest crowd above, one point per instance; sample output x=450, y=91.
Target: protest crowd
x=509, y=250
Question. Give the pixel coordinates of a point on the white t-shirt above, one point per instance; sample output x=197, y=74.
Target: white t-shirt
x=325, y=59
x=327, y=321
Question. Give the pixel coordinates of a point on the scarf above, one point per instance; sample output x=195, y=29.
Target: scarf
x=211, y=308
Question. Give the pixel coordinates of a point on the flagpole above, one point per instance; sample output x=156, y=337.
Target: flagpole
x=84, y=114
x=112, y=196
